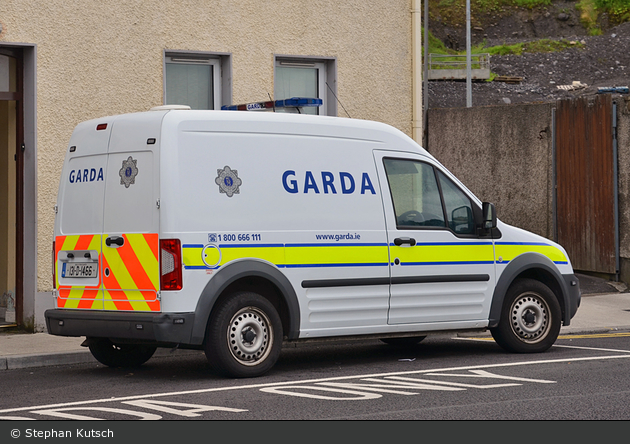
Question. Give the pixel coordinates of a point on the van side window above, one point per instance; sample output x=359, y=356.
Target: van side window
x=458, y=207
x=415, y=193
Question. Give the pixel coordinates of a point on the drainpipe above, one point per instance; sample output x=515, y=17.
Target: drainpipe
x=416, y=71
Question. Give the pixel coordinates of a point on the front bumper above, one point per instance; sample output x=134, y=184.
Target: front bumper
x=161, y=328
x=573, y=297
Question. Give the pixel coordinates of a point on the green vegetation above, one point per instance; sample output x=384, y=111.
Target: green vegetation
x=436, y=46
x=543, y=45
x=590, y=10
x=453, y=12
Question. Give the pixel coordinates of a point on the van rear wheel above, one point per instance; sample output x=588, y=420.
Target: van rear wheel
x=530, y=318
x=244, y=336
x=120, y=355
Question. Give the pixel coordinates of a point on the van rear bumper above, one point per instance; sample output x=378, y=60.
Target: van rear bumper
x=161, y=328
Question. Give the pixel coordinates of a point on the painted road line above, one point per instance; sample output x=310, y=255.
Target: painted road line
x=310, y=381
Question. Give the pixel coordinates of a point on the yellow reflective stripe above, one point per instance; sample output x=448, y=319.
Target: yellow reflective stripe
x=133, y=298
x=274, y=255
x=70, y=242
x=145, y=255
x=347, y=254
x=192, y=256
x=117, y=265
x=445, y=253
x=508, y=252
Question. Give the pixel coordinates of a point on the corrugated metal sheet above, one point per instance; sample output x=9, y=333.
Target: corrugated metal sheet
x=585, y=179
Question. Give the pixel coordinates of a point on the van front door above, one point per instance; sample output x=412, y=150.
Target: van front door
x=441, y=270
x=130, y=265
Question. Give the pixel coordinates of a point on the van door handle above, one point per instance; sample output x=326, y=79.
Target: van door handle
x=120, y=241
x=404, y=240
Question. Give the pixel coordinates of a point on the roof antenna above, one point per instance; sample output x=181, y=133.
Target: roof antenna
x=272, y=101
x=333, y=93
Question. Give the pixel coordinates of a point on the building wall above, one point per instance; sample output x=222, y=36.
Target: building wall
x=623, y=156
x=102, y=58
x=503, y=155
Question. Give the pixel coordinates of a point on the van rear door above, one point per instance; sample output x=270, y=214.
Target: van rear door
x=79, y=221
x=131, y=271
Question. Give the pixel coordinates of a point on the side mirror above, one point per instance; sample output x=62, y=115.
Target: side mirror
x=489, y=216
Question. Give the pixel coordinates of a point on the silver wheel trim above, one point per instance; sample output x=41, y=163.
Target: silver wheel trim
x=530, y=318
x=250, y=336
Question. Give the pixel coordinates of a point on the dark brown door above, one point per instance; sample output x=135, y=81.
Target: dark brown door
x=11, y=187
x=586, y=210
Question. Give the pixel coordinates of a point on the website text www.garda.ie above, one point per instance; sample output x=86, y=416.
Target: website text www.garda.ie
x=338, y=237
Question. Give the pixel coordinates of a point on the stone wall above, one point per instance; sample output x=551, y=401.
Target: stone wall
x=504, y=155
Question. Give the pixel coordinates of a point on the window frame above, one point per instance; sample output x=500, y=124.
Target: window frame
x=221, y=72
x=476, y=211
x=327, y=78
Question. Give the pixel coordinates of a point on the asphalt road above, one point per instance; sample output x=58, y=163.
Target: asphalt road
x=583, y=377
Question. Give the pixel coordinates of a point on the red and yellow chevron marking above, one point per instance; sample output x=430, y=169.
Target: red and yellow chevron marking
x=134, y=274
x=86, y=297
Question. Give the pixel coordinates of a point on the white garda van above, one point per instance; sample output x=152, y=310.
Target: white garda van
x=233, y=232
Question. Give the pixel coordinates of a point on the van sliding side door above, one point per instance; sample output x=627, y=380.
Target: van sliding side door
x=441, y=271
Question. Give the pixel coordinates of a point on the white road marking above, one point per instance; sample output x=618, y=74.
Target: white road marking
x=285, y=384
x=593, y=348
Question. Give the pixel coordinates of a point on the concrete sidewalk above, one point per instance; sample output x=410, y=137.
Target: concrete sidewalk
x=598, y=313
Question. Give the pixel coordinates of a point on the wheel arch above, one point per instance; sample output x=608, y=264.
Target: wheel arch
x=533, y=266
x=252, y=275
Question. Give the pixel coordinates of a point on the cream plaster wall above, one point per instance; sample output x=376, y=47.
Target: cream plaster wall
x=102, y=58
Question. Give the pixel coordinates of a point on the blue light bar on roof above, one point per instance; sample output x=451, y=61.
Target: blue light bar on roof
x=294, y=102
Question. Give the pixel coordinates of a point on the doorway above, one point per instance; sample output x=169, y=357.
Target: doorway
x=11, y=177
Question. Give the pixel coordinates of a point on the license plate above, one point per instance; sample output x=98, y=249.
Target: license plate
x=79, y=270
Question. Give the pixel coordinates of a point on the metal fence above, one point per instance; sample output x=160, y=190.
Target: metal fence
x=453, y=67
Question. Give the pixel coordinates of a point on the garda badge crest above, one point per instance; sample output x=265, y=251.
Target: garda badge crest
x=128, y=172
x=228, y=181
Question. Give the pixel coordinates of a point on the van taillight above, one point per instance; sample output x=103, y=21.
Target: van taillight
x=170, y=264
x=53, y=268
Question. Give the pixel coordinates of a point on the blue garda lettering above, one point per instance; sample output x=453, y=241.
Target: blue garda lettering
x=309, y=183
x=86, y=175
x=346, y=188
x=290, y=186
x=344, y=181
x=327, y=180
x=366, y=184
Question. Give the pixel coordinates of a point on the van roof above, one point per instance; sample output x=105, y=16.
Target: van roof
x=292, y=123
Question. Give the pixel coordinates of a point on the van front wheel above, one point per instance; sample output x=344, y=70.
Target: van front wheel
x=244, y=336
x=530, y=318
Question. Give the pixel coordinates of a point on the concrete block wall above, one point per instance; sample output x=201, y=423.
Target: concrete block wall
x=504, y=154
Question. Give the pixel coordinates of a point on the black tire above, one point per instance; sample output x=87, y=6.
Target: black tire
x=403, y=342
x=120, y=355
x=244, y=336
x=530, y=318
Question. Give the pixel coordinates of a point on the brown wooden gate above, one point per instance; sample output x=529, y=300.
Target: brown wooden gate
x=586, y=183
